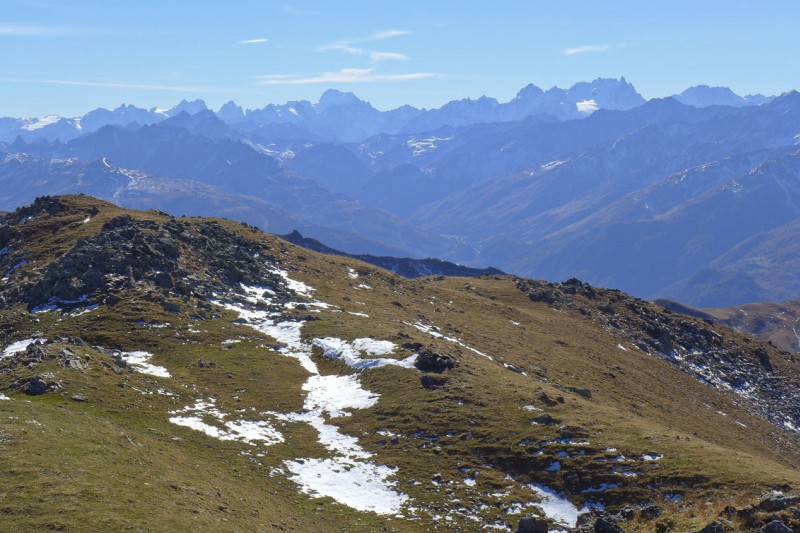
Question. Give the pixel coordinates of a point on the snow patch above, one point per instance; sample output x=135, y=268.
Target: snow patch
x=433, y=331
x=139, y=361
x=333, y=394
x=362, y=486
x=348, y=353
x=555, y=507
x=248, y=431
x=17, y=347
x=39, y=123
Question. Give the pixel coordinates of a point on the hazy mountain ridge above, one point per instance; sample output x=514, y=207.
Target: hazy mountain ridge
x=343, y=117
x=638, y=198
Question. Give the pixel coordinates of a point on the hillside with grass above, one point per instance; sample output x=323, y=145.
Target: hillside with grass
x=194, y=374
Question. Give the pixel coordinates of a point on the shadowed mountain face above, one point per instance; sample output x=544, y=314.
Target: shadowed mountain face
x=244, y=381
x=698, y=203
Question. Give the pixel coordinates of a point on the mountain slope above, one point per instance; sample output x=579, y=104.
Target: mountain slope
x=208, y=375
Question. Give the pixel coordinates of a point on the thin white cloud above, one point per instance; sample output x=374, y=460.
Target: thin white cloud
x=375, y=56
x=120, y=85
x=346, y=75
x=254, y=41
x=383, y=56
x=25, y=30
x=343, y=46
x=386, y=34
x=585, y=48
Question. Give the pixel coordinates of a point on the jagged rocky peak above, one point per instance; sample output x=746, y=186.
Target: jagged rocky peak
x=231, y=112
x=191, y=107
x=335, y=98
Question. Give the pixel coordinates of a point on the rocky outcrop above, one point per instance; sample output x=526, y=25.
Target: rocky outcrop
x=744, y=369
x=129, y=252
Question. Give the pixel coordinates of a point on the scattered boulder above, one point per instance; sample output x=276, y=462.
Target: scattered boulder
x=431, y=361
x=37, y=386
x=651, y=512
x=430, y=382
x=573, y=432
x=548, y=401
x=546, y=420
x=717, y=526
x=778, y=503
x=776, y=526
x=597, y=521
x=533, y=525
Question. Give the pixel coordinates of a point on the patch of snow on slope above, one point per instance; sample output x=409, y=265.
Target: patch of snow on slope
x=348, y=476
x=555, y=507
x=17, y=347
x=41, y=123
x=140, y=362
x=348, y=353
x=433, y=331
x=361, y=486
x=333, y=394
x=249, y=431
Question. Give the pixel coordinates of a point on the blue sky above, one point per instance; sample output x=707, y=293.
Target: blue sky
x=67, y=57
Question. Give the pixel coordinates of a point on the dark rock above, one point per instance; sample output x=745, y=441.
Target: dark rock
x=430, y=361
x=776, y=526
x=607, y=525
x=778, y=503
x=37, y=386
x=430, y=382
x=717, y=526
x=533, y=525
x=763, y=358
x=651, y=512
x=171, y=307
x=546, y=420
x=585, y=393
x=597, y=521
x=550, y=402
x=573, y=432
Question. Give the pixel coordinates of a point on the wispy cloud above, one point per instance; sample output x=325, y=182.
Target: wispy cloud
x=383, y=56
x=26, y=30
x=121, y=85
x=254, y=41
x=386, y=34
x=374, y=55
x=346, y=75
x=586, y=48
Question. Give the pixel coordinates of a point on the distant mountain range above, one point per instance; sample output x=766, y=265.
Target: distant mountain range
x=695, y=197
x=340, y=116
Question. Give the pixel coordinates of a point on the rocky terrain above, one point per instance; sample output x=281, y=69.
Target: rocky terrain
x=162, y=373
x=402, y=266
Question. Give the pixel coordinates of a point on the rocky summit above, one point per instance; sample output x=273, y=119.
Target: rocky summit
x=174, y=374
